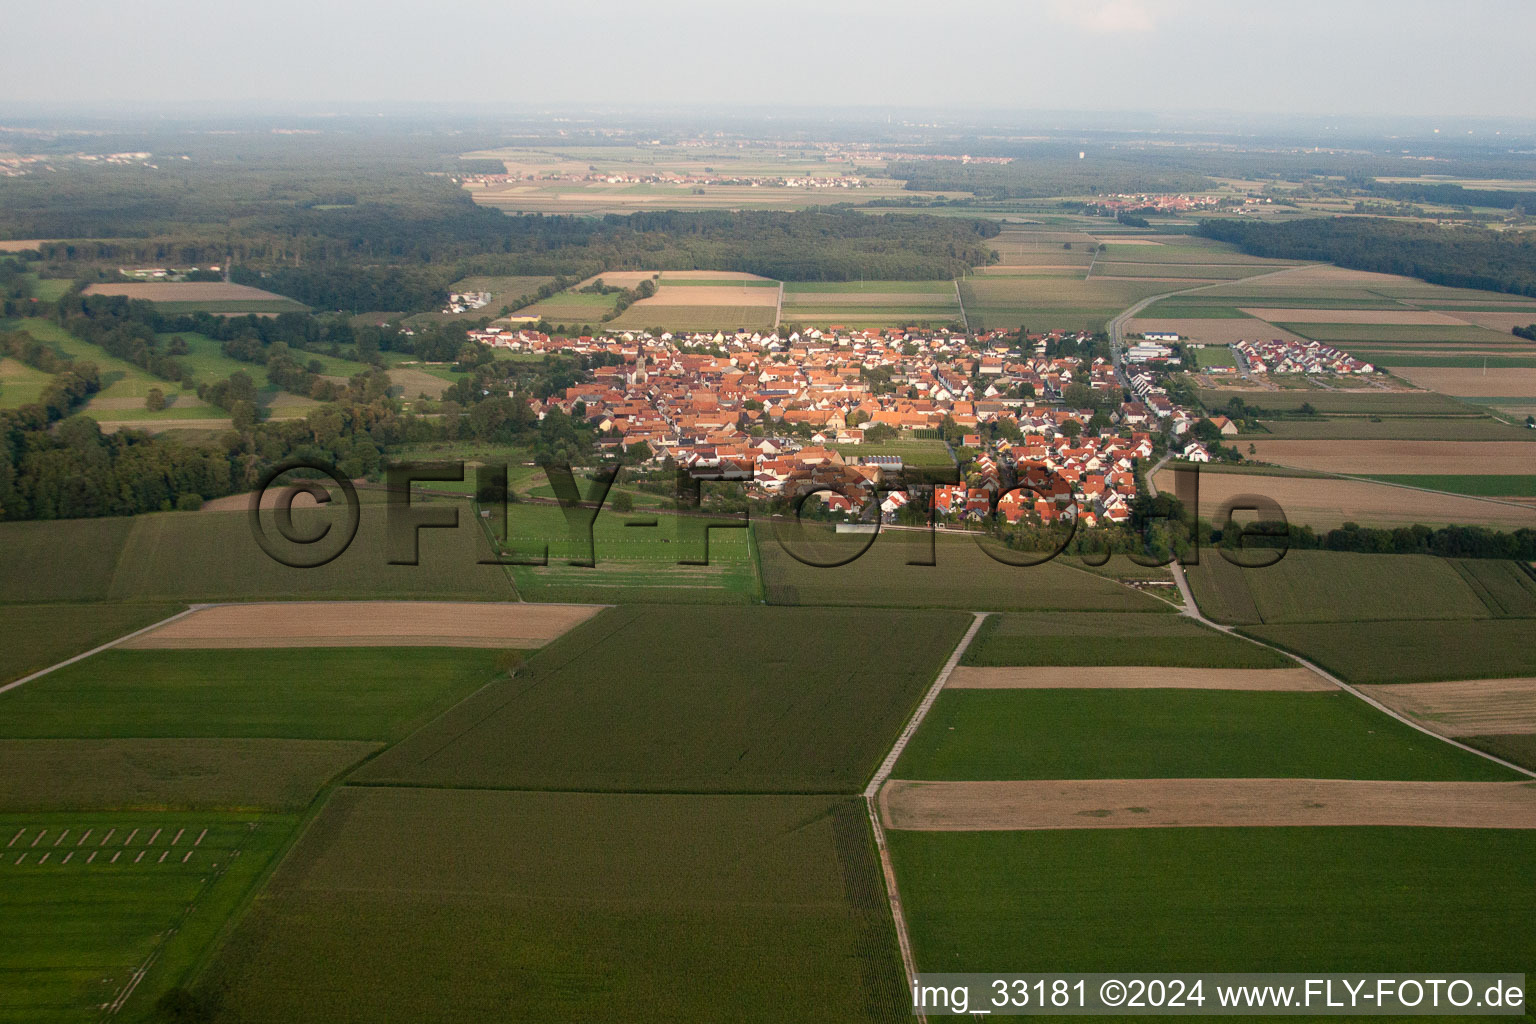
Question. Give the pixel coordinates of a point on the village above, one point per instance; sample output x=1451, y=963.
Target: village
x=1029, y=430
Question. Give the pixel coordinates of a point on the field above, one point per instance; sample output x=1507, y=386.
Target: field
x=1205, y=803
x=504, y=291
x=1335, y=586
x=1168, y=733
x=1445, y=429
x=201, y=296
x=572, y=307
x=1229, y=899
x=1411, y=651
x=376, y=693
x=1353, y=403
x=760, y=713
x=123, y=892
x=175, y=774
x=1464, y=483
x=366, y=624
x=1466, y=707
x=870, y=303
x=1043, y=304
x=644, y=315
x=1079, y=639
x=1326, y=504
x=39, y=635
x=119, y=378
x=963, y=576
x=211, y=556
x=1135, y=677
x=60, y=560
x=20, y=384
x=1393, y=457
x=912, y=452
x=1500, y=382
x=563, y=906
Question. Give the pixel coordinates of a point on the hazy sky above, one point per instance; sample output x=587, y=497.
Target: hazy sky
x=1430, y=57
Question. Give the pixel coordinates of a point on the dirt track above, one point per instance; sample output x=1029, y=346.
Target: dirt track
x=1471, y=707
x=368, y=624
x=1095, y=677
x=1160, y=803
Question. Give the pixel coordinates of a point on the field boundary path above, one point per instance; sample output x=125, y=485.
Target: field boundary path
x=872, y=791
x=1192, y=610
x=97, y=650
x=960, y=300
x=778, y=309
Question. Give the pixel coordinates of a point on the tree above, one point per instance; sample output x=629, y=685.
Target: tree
x=637, y=452
x=1530, y=421
x=1072, y=428
x=623, y=501
x=155, y=400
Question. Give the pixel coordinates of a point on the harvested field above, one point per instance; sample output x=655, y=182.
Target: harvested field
x=1498, y=382
x=1356, y=316
x=1388, y=457
x=1469, y=707
x=1097, y=677
x=23, y=244
x=855, y=300
x=1163, y=803
x=1213, y=331
x=368, y=624
x=1325, y=504
x=691, y=317
x=703, y=275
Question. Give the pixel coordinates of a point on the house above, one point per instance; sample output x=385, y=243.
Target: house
x=1195, y=452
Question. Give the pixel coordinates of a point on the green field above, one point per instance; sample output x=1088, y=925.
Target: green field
x=1068, y=638
x=455, y=905
x=912, y=451
x=963, y=576
x=1507, y=588
x=705, y=699
x=367, y=693
x=1411, y=651
x=73, y=935
x=240, y=307
x=39, y=635
x=861, y=304
x=572, y=307
x=1182, y=734
x=1335, y=586
x=60, y=560
x=20, y=384
x=119, y=378
x=1479, y=486
x=1219, y=899
x=1213, y=355
x=175, y=774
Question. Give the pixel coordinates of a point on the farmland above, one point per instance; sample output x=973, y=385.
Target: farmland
x=1479, y=485
x=376, y=693
x=963, y=576
x=1327, y=504
x=1357, y=403
x=1051, y=303
x=201, y=297
x=1168, y=733
x=593, y=906
x=1067, y=638
x=1411, y=651
x=696, y=317
x=123, y=891
x=871, y=303
x=1219, y=899
x=1395, y=457
x=20, y=384
x=39, y=635
x=1334, y=586
x=814, y=715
